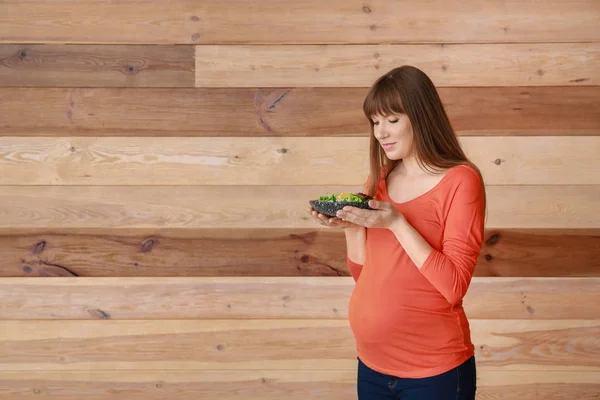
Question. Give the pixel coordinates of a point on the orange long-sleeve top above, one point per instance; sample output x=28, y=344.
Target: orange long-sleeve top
x=410, y=322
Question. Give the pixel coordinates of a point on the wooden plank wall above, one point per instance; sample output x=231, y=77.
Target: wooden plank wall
x=157, y=162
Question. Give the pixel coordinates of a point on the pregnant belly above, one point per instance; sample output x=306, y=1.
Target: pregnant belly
x=376, y=318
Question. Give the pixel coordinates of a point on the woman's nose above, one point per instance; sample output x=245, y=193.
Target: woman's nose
x=380, y=133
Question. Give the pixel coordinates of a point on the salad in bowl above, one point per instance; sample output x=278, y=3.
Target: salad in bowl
x=330, y=204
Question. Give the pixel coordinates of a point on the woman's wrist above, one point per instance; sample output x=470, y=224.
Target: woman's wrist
x=398, y=224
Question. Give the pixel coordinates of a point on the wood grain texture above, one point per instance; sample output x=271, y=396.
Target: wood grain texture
x=361, y=65
x=270, y=384
x=540, y=253
x=311, y=21
x=167, y=252
x=288, y=111
x=284, y=298
x=534, y=385
x=266, y=252
x=96, y=66
x=537, y=345
x=546, y=345
x=545, y=160
x=260, y=206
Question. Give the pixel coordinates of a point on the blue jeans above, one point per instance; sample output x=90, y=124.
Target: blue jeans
x=457, y=384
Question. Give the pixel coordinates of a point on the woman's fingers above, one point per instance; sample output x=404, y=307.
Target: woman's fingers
x=332, y=222
x=320, y=218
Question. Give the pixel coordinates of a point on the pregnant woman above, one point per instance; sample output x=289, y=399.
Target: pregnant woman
x=413, y=255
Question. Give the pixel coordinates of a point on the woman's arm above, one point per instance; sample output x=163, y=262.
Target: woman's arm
x=356, y=240
x=356, y=243
x=450, y=269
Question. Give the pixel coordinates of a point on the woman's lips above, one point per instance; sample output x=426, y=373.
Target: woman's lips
x=388, y=146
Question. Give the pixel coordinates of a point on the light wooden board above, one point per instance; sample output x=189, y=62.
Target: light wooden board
x=311, y=21
x=270, y=384
x=260, y=206
x=544, y=345
x=143, y=112
x=361, y=65
x=96, y=66
x=508, y=160
x=107, y=252
x=297, y=297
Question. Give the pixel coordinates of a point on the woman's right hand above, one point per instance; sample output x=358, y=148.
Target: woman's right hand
x=331, y=222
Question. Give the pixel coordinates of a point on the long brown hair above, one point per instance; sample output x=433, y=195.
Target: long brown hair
x=408, y=90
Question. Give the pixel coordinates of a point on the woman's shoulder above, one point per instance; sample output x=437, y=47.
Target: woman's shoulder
x=465, y=174
x=467, y=180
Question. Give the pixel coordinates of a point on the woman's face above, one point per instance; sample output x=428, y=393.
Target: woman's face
x=395, y=135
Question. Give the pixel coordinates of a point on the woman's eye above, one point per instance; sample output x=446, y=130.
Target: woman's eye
x=394, y=121
x=375, y=123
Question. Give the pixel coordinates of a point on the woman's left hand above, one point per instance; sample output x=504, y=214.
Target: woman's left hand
x=384, y=215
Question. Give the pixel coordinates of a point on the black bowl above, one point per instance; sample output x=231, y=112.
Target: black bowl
x=330, y=208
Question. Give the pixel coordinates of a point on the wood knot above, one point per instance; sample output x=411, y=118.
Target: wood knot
x=304, y=258
x=488, y=257
x=530, y=310
x=27, y=270
x=220, y=347
x=282, y=150
x=39, y=247
x=99, y=314
x=286, y=298
x=159, y=385
x=263, y=380
x=497, y=161
x=373, y=27
x=147, y=245
x=492, y=240
x=195, y=18
x=195, y=37
x=23, y=54
x=366, y=10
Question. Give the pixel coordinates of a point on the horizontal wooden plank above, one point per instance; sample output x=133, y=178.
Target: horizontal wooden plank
x=270, y=384
x=266, y=252
x=292, y=297
x=540, y=345
x=361, y=65
x=540, y=253
x=96, y=66
x=261, y=112
x=534, y=385
x=173, y=252
x=545, y=160
x=260, y=206
x=310, y=21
